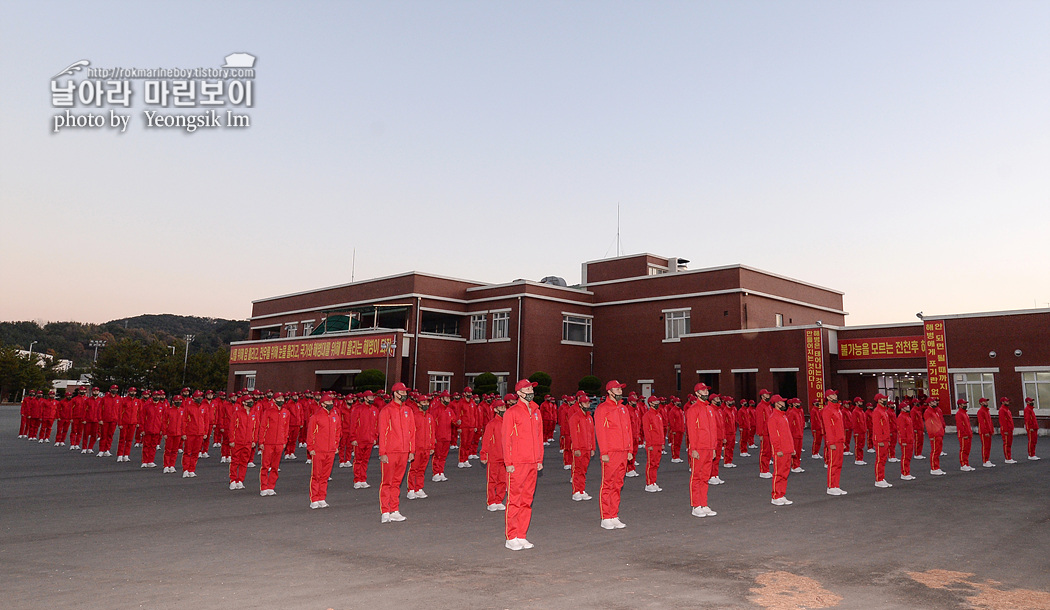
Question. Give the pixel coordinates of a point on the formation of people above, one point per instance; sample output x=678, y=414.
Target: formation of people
x=411, y=431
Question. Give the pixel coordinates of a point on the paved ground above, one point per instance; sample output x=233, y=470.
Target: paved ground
x=84, y=532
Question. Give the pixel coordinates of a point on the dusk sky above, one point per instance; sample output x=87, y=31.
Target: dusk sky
x=896, y=151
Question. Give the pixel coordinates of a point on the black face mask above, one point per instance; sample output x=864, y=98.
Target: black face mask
x=528, y=397
x=617, y=398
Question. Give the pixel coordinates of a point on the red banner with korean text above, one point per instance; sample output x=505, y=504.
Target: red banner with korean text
x=881, y=347
x=296, y=350
x=814, y=365
x=937, y=364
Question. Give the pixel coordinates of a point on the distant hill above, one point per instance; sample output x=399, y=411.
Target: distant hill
x=70, y=340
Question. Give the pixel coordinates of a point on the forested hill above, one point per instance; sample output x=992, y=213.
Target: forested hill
x=71, y=340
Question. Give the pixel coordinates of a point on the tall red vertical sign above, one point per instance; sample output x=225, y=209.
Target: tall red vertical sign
x=937, y=364
x=814, y=365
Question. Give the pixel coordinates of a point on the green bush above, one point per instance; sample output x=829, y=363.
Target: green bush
x=486, y=383
x=544, y=387
x=591, y=384
x=369, y=379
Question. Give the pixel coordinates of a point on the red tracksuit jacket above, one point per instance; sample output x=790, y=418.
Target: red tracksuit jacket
x=701, y=426
x=397, y=429
x=880, y=425
x=492, y=441
x=612, y=425
x=523, y=434
x=780, y=433
x=273, y=428
x=323, y=430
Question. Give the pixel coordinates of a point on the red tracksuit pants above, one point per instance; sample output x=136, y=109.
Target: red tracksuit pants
x=700, y=468
x=171, y=450
x=730, y=449
x=417, y=471
x=271, y=462
x=964, y=450
x=61, y=430
x=918, y=442
x=882, y=455
x=90, y=434
x=239, y=458
x=906, y=454
x=320, y=469
x=566, y=456
x=935, y=452
x=580, y=465
x=986, y=448
x=676, y=445
x=1033, y=436
x=76, y=435
x=362, y=453
x=859, y=455
x=468, y=443
x=346, y=454
x=796, y=460
x=105, y=440
x=521, y=487
x=817, y=437
x=293, y=439
x=781, y=470
x=833, y=460
x=613, y=473
x=126, y=439
x=893, y=444
x=548, y=430
x=1008, y=443
x=45, y=429
x=23, y=427
x=496, y=488
x=393, y=473
x=149, y=448
x=652, y=464
x=191, y=452
x=765, y=455
x=440, y=456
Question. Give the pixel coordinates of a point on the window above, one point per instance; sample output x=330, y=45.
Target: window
x=974, y=386
x=290, y=329
x=477, y=327
x=308, y=327
x=249, y=382
x=576, y=329
x=440, y=383
x=778, y=320
x=270, y=333
x=676, y=323
x=1037, y=386
x=437, y=323
x=501, y=325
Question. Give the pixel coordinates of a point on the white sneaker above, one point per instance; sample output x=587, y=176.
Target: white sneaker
x=708, y=511
x=144, y=465
x=841, y=491
x=323, y=503
x=309, y=461
x=720, y=481
x=937, y=472
x=232, y=485
x=988, y=465
x=152, y=464
x=919, y=457
x=784, y=501
x=525, y=544
x=1033, y=457
x=185, y=474
x=777, y=501
x=492, y=507
x=318, y=505
x=420, y=494
x=436, y=478
x=290, y=457
x=833, y=491
x=397, y=516
x=907, y=477
x=860, y=463
x=847, y=453
x=766, y=475
x=650, y=488
x=618, y=524
x=680, y=460
x=577, y=496
x=943, y=453
x=462, y=464
x=472, y=457
x=567, y=467
x=873, y=451
x=729, y=465
x=608, y=524
x=240, y=484
x=514, y=545
x=193, y=475
x=264, y=492
x=384, y=518
x=586, y=496
x=365, y=485
x=632, y=473
x=698, y=511
x=501, y=506
x=817, y=456
x=712, y=481
x=1010, y=461
x=893, y=460
x=882, y=483
x=745, y=454
x=251, y=464
x=797, y=470
x=138, y=444
x=443, y=477
x=411, y=494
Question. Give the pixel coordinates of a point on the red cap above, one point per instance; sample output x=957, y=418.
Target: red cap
x=794, y=401
x=961, y=401
x=367, y=393
x=198, y=394
x=1004, y=399
x=467, y=390
x=581, y=394
x=444, y=394
x=831, y=393
x=1030, y=400
x=510, y=398
x=878, y=397
x=399, y=387
x=703, y=386
x=525, y=383
x=775, y=398
x=614, y=384
x=983, y=400
x=764, y=391
x=132, y=389
x=714, y=396
x=653, y=399
x=114, y=387
x=498, y=403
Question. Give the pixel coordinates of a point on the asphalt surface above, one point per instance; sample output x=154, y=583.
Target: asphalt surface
x=85, y=532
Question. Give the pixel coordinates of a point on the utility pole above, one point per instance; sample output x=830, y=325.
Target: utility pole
x=186, y=358
x=96, y=344
x=30, y=362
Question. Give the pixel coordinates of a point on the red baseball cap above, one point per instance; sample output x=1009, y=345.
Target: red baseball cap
x=399, y=387
x=653, y=399
x=776, y=398
x=878, y=397
x=702, y=386
x=961, y=401
x=525, y=383
x=614, y=384
x=764, y=391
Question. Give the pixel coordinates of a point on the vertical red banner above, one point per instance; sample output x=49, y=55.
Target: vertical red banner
x=937, y=363
x=814, y=365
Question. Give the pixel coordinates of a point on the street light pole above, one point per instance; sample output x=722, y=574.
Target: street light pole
x=96, y=344
x=186, y=358
x=30, y=362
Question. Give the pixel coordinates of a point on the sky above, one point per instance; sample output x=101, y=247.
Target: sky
x=896, y=151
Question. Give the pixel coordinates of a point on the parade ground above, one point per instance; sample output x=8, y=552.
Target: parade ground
x=86, y=532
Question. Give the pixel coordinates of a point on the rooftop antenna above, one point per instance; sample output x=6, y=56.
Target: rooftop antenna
x=619, y=247
x=353, y=265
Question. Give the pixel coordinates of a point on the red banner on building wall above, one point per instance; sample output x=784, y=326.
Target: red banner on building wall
x=881, y=347
x=814, y=365
x=937, y=364
x=294, y=350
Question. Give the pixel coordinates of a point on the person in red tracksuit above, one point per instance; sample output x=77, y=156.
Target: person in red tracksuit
x=79, y=412
x=65, y=416
x=816, y=427
x=549, y=414
x=424, y=448
x=48, y=412
x=906, y=437
x=582, y=431
x=702, y=440
x=935, y=430
x=1031, y=426
x=565, y=428
x=443, y=418
x=127, y=420
x=110, y=416
x=636, y=435
x=92, y=421
x=273, y=436
x=467, y=420
x=797, y=423
x=322, y=441
x=1006, y=429
x=783, y=447
x=860, y=431
x=194, y=425
x=523, y=453
x=23, y=427
x=172, y=429
x=881, y=438
x=964, y=430
x=343, y=408
x=243, y=434
x=729, y=429
x=295, y=422
x=364, y=433
x=746, y=423
x=612, y=426
x=985, y=429
x=676, y=431
x=918, y=412
x=653, y=436
x=397, y=437
x=492, y=456
x=765, y=454
x=151, y=420
x=832, y=419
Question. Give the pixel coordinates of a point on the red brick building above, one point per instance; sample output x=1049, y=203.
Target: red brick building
x=643, y=319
